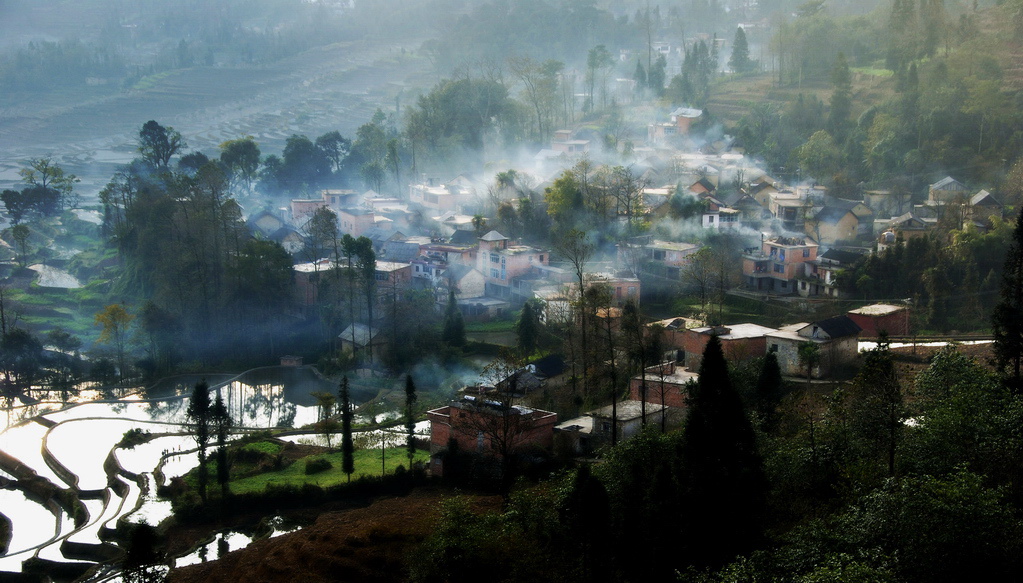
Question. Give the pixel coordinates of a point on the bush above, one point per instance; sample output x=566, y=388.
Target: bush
x=317, y=465
x=134, y=437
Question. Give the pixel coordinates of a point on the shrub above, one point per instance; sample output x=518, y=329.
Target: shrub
x=317, y=465
x=134, y=437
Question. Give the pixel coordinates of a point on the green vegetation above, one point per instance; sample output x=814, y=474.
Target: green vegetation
x=134, y=437
x=367, y=462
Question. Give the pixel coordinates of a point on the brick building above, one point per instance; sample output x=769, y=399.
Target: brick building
x=490, y=428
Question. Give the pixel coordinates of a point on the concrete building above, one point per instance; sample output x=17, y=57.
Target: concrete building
x=738, y=341
x=836, y=339
x=488, y=428
x=878, y=318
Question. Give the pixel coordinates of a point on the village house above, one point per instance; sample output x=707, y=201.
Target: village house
x=886, y=203
x=836, y=338
x=778, y=264
x=823, y=277
x=489, y=428
x=663, y=384
x=362, y=341
x=717, y=215
x=661, y=259
x=673, y=334
x=905, y=226
x=738, y=341
x=564, y=144
x=449, y=197
x=840, y=223
x=945, y=191
x=501, y=262
x=881, y=318
x=682, y=120
x=983, y=206
x=391, y=275
x=585, y=434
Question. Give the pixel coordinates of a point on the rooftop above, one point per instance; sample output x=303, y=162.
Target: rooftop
x=737, y=331
x=877, y=310
x=627, y=410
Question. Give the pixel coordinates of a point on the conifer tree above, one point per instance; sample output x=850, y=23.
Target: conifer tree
x=347, y=447
x=222, y=425
x=454, y=327
x=199, y=418
x=740, y=62
x=723, y=483
x=410, y=418
x=1007, y=319
x=528, y=329
x=769, y=388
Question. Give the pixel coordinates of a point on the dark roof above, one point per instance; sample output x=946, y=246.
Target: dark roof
x=461, y=237
x=831, y=214
x=841, y=257
x=494, y=236
x=399, y=251
x=550, y=366
x=948, y=183
x=456, y=271
x=839, y=326
x=706, y=184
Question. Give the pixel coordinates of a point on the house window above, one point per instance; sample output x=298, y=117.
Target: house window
x=380, y=276
x=806, y=252
x=781, y=255
x=779, y=268
x=494, y=273
x=495, y=258
x=632, y=290
x=605, y=427
x=541, y=259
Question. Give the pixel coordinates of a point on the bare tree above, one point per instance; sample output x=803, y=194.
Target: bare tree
x=574, y=247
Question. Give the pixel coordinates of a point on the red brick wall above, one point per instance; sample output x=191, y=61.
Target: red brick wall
x=674, y=394
x=895, y=324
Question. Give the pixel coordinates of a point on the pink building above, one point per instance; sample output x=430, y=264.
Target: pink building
x=778, y=264
x=501, y=262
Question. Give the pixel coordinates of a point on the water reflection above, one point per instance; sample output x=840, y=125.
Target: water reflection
x=81, y=435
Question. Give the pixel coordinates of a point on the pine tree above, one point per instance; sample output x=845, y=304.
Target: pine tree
x=222, y=425
x=723, y=479
x=347, y=446
x=410, y=418
x=528, y=329
x=1007, y=318
x=454, y=327
x=639, y=76
x=841, y=99
x=740, y=62
x=199, y=417
x=769, y=388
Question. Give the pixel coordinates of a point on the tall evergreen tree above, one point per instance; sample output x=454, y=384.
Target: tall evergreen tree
x=454, y=327
x=410, y=418
x=877, y=410
x=199, y=423
x=740, y=62
x=1007, y=319
x=841, y=99
x=528, y=329
x=347, y=446
x=221, y=421
x=723, y=483
x=769, y=388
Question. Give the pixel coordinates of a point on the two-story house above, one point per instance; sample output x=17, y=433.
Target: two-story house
x=501, y=262
x=779, y=263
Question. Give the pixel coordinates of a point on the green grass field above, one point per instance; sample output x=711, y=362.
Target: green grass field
x=367, y=462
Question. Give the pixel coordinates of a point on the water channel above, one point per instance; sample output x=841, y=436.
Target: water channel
x=47, y=446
